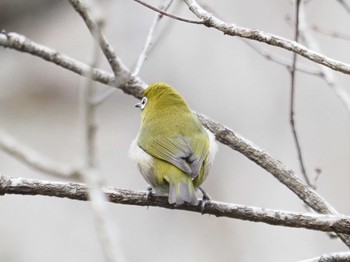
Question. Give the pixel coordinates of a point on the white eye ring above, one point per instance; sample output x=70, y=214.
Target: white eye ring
x=143, y=102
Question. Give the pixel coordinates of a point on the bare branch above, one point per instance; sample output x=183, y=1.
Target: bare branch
x=116, y=64
x=327, y=74
x=168, y=14
x=20, y=43
x=345, y=5
x=331, y=33
x=23, y=44
x=283, y=61
x=285, y=175
x=326, y=223
x=231, y=29
x=34, y=159
x=143, y=55
x=99, y=99
x=332, y=257
x=273, y=58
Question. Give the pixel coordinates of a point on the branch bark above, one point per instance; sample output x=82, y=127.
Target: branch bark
x=20, y=43
x=35, y=160
x=76, y=191
x=234, y=30
x=332, y=257
x=285, y=175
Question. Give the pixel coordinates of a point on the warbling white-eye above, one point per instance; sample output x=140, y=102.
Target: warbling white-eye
x=173, y=150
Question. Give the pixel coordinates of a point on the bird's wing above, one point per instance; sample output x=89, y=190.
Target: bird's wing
x=179, y=151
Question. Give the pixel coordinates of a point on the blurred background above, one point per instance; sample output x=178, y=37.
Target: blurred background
x=219, y=76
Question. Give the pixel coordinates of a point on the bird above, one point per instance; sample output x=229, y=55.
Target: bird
x=173, y=150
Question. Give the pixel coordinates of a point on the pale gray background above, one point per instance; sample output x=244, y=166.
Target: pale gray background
x=219, y=76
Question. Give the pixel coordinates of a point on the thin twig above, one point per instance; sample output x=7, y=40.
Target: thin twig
x=334, y=34
x=328, y=75
x=283, y=61
x=148, y=43
x=325, y=223
x=168, y=14
x=233, y=30
x=292, y=98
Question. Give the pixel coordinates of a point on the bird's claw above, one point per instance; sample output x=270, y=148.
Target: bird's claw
x=149, y=193
x=205, y=200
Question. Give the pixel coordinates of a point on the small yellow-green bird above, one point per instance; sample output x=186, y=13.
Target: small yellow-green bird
x=173, y=150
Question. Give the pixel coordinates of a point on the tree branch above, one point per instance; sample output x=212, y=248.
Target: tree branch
x=233, y=30
x=20, y=43
x=283, y=61
x=285, y=175
x=100, y=98
x=118, y=68
x=332, y=257
x=23, y=44
x=327, y=74
x=34, y=159
x=76, y=191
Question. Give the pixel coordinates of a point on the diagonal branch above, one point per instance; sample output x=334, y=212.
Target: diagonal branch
x=233, y=30
x=285, y=175
x=345, y=5
x=20, y=43
x=23, y=44
x=148, y=43
x=76, y=191
x=35, y=160
x=118, y=68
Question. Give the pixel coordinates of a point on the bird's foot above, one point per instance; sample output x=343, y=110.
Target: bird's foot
x=149, y=192
x=205, y=200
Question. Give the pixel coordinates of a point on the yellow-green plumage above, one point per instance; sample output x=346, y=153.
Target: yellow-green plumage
x=173, y=150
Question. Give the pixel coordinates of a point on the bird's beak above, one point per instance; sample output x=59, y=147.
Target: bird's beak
x=138, y=105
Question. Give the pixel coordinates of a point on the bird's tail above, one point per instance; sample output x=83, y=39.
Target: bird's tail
x=181, y=191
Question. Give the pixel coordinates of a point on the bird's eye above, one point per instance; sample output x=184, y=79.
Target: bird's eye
x=143, y=102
